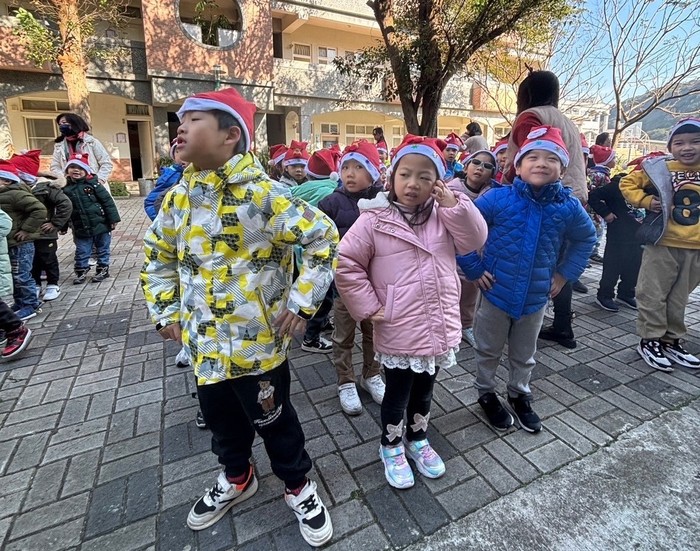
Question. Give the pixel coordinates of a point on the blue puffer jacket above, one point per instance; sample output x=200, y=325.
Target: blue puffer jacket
x=169, y=176
x=522, y=252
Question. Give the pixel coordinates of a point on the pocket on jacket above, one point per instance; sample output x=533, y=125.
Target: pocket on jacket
x=389, y=306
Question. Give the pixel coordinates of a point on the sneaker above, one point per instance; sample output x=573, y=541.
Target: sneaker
x=321, y=345
x=549, y=309
x=92, y=262
x=38, y=291
x=101, y=275
x=80, y=276
x=468, y=335
x=375, y=386
x=427, y=461
x=579, y=287
x=52, y=292
x=677, y=354
x=349, y=399
x=527, y=418
x=651, y=353
x=314, y=521
x=397, y=471
x=3, y=340
x=199, y=420
x=17, y=341
x=607, y=304
x=564, y=338
x=219, y=499
x=498, y=416
x=596, y=258
x=27, y=313
x=629, y=302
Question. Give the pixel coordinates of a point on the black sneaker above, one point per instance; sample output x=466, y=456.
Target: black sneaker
x=101, y=275
x=596, y=258
x=324, y=346
x=199, y=420
x=527, y=418
x=629, y=302
x=651, y=353
x=497, y=416
x=579, y=287
x=215, y=502
x=677, y=354
x=80, y=276
x=564, y=338
x=314, y=521
x=607, y=304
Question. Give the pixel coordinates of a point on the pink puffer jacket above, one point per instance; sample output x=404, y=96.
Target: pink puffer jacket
x=411, y=272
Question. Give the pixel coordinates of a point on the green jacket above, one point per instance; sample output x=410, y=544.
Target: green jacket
x=314, y=190
x=94, y=210
x=58, y=205
x=26, y=211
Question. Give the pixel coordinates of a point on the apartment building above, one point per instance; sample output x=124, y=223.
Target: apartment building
x=278, y=54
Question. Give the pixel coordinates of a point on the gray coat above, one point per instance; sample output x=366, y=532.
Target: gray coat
x=5, y=267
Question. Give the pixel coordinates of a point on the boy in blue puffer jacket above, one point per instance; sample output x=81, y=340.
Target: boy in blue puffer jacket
x=170, y=176
x=520, y=266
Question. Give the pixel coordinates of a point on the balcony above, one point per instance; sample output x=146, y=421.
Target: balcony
x=338, y=14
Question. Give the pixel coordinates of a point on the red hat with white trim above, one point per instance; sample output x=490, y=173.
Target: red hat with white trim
x=80, y=160
x=366, y=154
x=637, y=162
x=8, y=171
x=323, y=164
x=684, y=126
x=501, y=145
x=422, y=145
x=602, y=155
x=454, y=142
x=584, y=145
x=277, y=153
x=27, y=164
x=547, y=138
x=296, y=154
x=229, y=101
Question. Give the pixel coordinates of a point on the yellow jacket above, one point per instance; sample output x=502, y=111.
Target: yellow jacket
x=219, y=262
x=682, y=228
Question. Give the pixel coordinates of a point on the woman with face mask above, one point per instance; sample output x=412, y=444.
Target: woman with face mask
x=75, y=139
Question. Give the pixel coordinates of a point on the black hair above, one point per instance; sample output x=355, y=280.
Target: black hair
x=77, y=123
x=226, y=121
x=537, y=89
x=474, y=129
x=420, y=215
x=602, y=138
x=378, y=130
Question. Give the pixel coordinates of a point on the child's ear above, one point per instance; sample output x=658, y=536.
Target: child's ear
x=517, y=169
x=563, y=170
x=233, y=136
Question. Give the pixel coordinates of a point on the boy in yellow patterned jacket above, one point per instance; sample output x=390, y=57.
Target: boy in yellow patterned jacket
x=218, y=278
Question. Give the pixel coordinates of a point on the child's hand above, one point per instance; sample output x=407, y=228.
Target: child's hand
x=378, y=315
x=610, y=218
x=21, y=235
x=558, y=281
x=48, y=227
x=486, y=281
x=171, y=332
x=443, y=195
x=655, y=205
x=288, y=323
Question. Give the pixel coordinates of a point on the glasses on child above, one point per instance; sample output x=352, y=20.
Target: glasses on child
x=478, y=162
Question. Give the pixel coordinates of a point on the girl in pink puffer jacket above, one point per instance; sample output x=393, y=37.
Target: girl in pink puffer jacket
x=397, y=268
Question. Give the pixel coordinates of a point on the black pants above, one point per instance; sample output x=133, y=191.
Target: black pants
x=315, y=325
x=45, y=260
x=408, y=392
x=621, y=261
x=235, y=409
x=8, y=319
x=562, y=309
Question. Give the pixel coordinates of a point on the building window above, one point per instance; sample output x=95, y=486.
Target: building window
x=444, y=132
x=55, y=106
x=136, y=109
x=500, y=131
x=277, y=41
x=326, y=55
x=358, y=131
x=397, y=133
x=39, y=132
x=210, y=22
x=330, y=134
x=302, y=52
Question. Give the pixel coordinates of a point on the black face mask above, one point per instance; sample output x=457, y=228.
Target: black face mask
x=66, y=130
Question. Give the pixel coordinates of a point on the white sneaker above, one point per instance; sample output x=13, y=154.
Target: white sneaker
x=215, y=502
x=52, y=292
x=349, y=399
x=314, y=521
x=549, y=309
x=375, y=386
x=468, y=335
x=92, y=262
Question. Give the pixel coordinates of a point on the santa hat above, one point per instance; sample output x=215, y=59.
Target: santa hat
x=685, y=126
x=323, y=164
x=454, y=142
x=277, y=153
x=296, y=154
x=381, y=146
x=637, y=162
x=8, y=171
x=421, y=145
x=547, y=138
x=584, y=145
x=366, y=154
x=602, y=155
x=229, y=101
x=27, y=165
x=501, y=145
x=80, y=160
x=485, y=152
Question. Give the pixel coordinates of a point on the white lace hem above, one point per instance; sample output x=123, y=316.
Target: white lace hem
x=418, y=364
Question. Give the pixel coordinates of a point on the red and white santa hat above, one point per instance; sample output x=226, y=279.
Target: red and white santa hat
x=381, y=146
x=229, y=101
x=80, y=160
x=690, y=125
x=364, y=153
x=27, y=164
x=584, y=145
x=296, y=154
x=8, y=171
x=501, y=145
x=548, y=138
x=323, y=164
x=602, y=155
x=637, y=162
x=277, y=153
x=454, y=142
x=422, y=145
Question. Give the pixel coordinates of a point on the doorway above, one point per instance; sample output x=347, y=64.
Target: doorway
x=135, y=149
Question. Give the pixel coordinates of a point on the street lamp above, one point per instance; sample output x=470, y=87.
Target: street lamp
x=218, y=71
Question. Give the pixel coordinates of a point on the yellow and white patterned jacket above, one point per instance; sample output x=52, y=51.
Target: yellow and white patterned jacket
x=219, y=262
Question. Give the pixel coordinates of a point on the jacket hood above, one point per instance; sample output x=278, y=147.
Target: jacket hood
x=238, y=169
x=53, y=180
x=380, y=201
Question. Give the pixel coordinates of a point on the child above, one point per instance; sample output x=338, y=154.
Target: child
x=598, y=176
x=520, y=266
x=277, y=153
x=670, y=191
x=27, y=214
x=46, y=188
x=360, y=174
x=623, y=250
x=500, y=150
x=169, y=176
x=14, y=335
x=383, y=155
x=295, y=161
x=93, y=218
x=216, y=278
x=397, y=267
x=454, y=145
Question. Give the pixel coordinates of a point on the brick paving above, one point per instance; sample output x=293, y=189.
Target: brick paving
x=98, y=447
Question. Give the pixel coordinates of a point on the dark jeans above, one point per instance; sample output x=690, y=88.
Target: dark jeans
x=8, y=319
x=410, y=392
x=621, y=260
x=21, y=259
x=45, y=260
x=315, y=325
x=235, y=409
x=84, y=246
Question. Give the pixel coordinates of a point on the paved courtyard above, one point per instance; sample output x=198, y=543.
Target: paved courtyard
x=99, y=451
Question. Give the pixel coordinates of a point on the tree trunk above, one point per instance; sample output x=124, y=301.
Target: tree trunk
x=71, y=59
